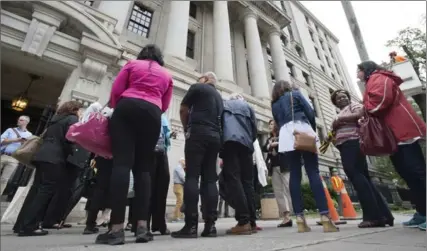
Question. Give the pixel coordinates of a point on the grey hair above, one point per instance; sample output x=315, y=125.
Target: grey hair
x=235, y=96
x=26, y=118
x=211, y=75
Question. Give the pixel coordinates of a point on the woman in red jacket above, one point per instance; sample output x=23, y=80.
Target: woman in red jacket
x=384, y=99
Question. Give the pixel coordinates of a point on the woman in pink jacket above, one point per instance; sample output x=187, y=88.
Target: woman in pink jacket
x=141, y=93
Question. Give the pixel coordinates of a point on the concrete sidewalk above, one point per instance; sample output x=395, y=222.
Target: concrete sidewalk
x=350, y=238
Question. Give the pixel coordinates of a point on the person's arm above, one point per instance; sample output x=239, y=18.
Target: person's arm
x=120, y=84
x=357, y=112
x=6, y=137
x=308, y=110
x=69, y=145
x=380, y=95
x=254, y=127
x=181, y=174
x=167, y=97
x=187, y=102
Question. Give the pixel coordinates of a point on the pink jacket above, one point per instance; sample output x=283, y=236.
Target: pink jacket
x=143, y=79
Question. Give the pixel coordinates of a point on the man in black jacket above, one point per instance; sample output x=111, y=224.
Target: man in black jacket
x=201, y=111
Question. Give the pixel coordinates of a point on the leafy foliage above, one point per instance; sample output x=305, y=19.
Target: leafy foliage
x=384, y=166
x=308, y=197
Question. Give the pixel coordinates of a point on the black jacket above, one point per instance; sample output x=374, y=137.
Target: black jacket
x=272, y=159
x=56, y=148
x=79, y=157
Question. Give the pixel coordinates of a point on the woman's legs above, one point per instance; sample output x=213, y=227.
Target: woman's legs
x=281, y=193
x=162, y=186
x=134, y=130
x=100, y=195
x=46, y=190
x=354, y=163
x=312, y=169
x=294, y=161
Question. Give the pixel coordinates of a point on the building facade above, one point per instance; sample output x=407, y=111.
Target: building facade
x=79, y=47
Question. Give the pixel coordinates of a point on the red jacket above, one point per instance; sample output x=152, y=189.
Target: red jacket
x=383, y=98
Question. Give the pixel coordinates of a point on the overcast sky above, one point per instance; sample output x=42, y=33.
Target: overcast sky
x=379, y=22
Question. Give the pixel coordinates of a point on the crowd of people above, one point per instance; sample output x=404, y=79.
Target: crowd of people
x=138, y=176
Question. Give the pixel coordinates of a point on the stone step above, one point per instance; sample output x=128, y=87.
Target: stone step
x=3, y=207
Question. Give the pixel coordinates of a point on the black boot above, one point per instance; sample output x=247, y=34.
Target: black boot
x=111, y=238
x=188, y=231
x=90, y=230
x=143, y=235
x=209, y=230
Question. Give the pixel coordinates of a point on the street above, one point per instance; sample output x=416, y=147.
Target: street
x=350, y=238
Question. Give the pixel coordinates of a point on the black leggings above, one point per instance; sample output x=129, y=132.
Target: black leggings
x=134, y=129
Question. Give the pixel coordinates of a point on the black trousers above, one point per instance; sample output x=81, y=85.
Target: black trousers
x=101, y=194
x=238, y=177
x=201, y=153
x=134, y=130
x=410, y=164
x=58, y=206
x=160, y=178
x=356, y=168
x=48, y=179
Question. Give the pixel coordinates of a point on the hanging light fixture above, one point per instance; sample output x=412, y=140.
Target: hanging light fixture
x=20, y=102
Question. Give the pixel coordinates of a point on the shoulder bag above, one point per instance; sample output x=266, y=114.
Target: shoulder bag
x=375, y=138
x=28, y=149
x=302, y=141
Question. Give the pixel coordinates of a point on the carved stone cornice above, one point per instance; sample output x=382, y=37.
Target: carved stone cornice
x=93, y=70
x=96, y=49
x=37, y=38
x=47, y=15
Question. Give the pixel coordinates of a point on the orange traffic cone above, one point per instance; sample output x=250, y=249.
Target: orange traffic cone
x=332, y=210
x=347, y=207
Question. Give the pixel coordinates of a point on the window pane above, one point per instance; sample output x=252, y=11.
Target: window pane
x=140, y=20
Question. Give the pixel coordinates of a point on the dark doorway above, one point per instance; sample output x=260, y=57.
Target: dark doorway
x=9, y=117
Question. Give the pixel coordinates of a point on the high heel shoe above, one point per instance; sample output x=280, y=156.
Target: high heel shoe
x=328, y=225
x=302, y=225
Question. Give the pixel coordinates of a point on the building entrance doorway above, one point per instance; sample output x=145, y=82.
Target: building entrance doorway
x=31, y=80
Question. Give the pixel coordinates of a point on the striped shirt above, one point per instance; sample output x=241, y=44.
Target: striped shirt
x=348, y=131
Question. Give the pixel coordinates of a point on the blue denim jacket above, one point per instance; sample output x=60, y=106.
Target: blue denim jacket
x=239, y=123
x=282, y=113
x=163, y=143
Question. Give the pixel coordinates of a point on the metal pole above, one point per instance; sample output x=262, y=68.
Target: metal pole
x=355, y=30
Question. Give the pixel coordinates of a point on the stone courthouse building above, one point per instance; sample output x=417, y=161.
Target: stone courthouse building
x=78, y=47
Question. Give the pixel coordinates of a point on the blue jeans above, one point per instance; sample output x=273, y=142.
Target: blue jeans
x=293, y=161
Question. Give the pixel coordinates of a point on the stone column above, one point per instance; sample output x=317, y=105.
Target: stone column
x=223, y=59
x=176, y=36
x=278, y=55
x=257, y=71
x=240, y=59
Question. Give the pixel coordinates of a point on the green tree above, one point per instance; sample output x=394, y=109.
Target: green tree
x=413, y=43
x=385, y=167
